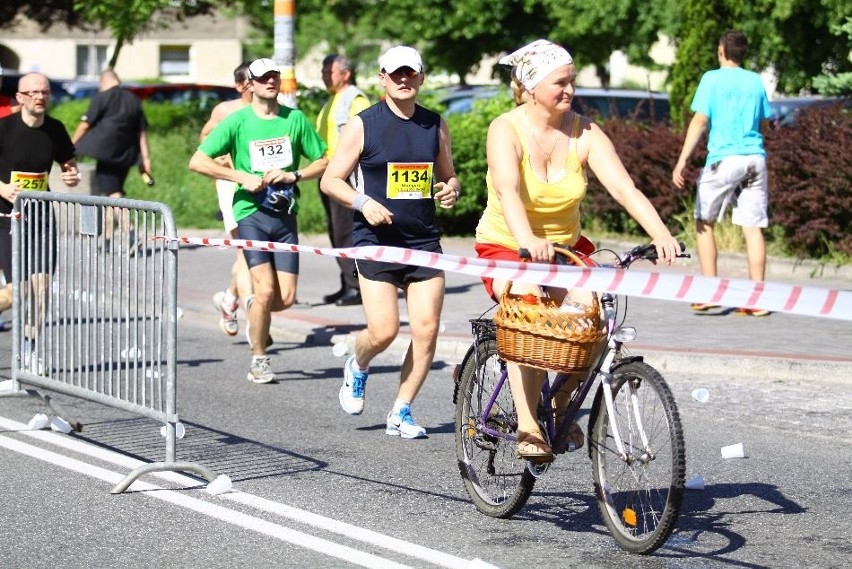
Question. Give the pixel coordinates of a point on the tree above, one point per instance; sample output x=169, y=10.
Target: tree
x=592, y=31
x=703, y=22
x=44, y=12
x=837, y=82
x=127, y=19
x=456, y=35
x=798, y=39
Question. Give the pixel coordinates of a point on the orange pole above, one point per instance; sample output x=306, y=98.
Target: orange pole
x=285, y=48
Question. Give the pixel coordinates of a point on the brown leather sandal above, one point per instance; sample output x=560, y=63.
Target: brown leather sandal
x=531, y=446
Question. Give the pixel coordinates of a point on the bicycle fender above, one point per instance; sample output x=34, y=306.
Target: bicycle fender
x=470, y=353
x=625, y=361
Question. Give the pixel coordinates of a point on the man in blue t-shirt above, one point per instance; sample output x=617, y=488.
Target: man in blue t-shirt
x=732, y=103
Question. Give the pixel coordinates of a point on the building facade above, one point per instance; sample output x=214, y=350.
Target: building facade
x=202, y=49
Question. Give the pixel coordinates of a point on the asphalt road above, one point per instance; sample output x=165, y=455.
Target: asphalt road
x=318, y=488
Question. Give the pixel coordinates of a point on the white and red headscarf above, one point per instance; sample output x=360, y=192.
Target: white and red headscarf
x=533, y=62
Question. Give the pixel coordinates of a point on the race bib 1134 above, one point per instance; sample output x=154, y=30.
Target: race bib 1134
x=409, y=180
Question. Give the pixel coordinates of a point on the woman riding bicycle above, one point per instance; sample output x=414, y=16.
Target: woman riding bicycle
x=537, y=158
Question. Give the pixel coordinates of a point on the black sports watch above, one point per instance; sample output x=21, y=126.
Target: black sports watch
x=298, y=175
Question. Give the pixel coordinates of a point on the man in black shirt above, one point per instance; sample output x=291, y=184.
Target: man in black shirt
x=30, y=141
x=114, y=132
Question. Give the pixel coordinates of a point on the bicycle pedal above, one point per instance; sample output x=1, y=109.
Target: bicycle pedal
x=537, y=470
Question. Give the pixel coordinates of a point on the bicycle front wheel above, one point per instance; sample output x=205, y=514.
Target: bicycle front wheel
x=639, y=493
x=498, y=483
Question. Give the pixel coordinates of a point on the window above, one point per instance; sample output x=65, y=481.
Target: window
x=91, y=60
x=174, y=60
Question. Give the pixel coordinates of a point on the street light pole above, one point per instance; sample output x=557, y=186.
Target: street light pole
x=285, y=48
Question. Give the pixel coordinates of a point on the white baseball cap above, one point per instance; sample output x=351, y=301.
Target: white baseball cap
x=260, y=67
x=401, y=56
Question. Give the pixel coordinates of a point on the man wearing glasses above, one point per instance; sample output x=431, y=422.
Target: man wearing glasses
x=266, y=142
x=30, y=142
x=405, y=156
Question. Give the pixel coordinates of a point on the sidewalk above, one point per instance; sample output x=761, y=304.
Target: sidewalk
x=669, y=335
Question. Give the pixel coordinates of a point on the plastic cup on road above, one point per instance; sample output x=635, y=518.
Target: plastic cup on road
x=340, y=349
x=39, y=421
x=221, y=485
x=695, y=483
x=733, y=451
x=701, y=395
x=61, y=425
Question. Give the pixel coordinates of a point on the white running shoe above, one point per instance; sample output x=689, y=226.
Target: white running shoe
x=260, y=371
x=351, y=393
x=227, y=314
x=402, y=424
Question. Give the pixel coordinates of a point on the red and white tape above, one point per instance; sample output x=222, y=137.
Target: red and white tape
x=777, y=297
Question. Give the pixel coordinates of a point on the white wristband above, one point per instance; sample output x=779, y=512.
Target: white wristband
x=359, y=202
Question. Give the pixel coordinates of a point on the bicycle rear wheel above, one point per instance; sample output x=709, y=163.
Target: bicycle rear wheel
x=498, y=483
x=639, y=496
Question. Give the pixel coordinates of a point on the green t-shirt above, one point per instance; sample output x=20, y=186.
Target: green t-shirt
x=257, y=145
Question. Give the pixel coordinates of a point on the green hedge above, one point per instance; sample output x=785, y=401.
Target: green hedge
x=810, y=168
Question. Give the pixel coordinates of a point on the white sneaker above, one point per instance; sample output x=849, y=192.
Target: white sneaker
x=351, y=393
x=260, y=371
x=402, y=424
x=227, y=314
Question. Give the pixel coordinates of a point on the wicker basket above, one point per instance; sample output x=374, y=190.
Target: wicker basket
x=538, y=332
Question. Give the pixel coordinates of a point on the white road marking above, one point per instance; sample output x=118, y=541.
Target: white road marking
x=295, y=537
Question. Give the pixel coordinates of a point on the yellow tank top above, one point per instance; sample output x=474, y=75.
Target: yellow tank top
x=553, y=208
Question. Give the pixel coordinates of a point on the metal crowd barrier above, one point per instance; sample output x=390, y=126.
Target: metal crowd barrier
x=94, y=314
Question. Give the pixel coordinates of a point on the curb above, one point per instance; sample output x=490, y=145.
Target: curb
x=454, y=346
x=697, y=363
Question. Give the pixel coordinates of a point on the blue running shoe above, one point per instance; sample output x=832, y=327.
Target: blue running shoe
x=352, y=391
x=402, y=424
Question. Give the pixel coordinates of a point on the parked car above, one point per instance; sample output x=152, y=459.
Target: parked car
x=9, y=86
x=784, y=110
x=622, y=103
x=459, y=99
x=206, y=95
x=184, y=92
x=595, y=103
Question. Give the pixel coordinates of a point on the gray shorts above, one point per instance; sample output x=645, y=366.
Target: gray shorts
x=736, y=181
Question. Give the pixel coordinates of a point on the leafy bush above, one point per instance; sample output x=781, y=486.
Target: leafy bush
x=648, y=152
x=468, y=132
x=810, y=177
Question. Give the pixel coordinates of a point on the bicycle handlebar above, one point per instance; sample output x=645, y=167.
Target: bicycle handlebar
x=647, y=252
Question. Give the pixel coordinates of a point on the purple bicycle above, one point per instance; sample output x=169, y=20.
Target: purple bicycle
x=635, y=438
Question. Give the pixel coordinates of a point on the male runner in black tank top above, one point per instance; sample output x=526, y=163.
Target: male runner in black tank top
x=404, y=153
